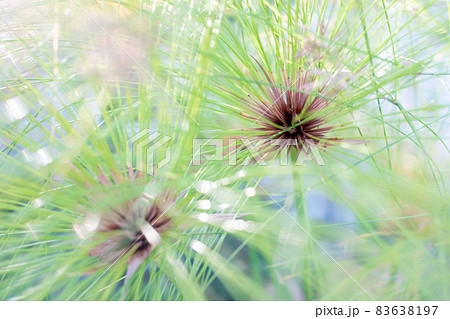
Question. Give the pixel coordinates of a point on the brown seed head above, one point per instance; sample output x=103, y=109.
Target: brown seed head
x=296, y=113
x=135, y=226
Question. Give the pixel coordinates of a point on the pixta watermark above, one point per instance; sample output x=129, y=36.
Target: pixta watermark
x=151, y=150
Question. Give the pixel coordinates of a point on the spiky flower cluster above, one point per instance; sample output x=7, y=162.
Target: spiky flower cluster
x=132, y=227
x=296, y=112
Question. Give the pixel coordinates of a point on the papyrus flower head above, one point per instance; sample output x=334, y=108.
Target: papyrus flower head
x=295, y=112
x=132, y=227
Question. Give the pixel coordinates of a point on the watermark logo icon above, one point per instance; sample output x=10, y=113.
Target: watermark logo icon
x=148, y=150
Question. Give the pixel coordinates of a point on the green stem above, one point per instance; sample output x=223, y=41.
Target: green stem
x=303, y=219
x=299, y=192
